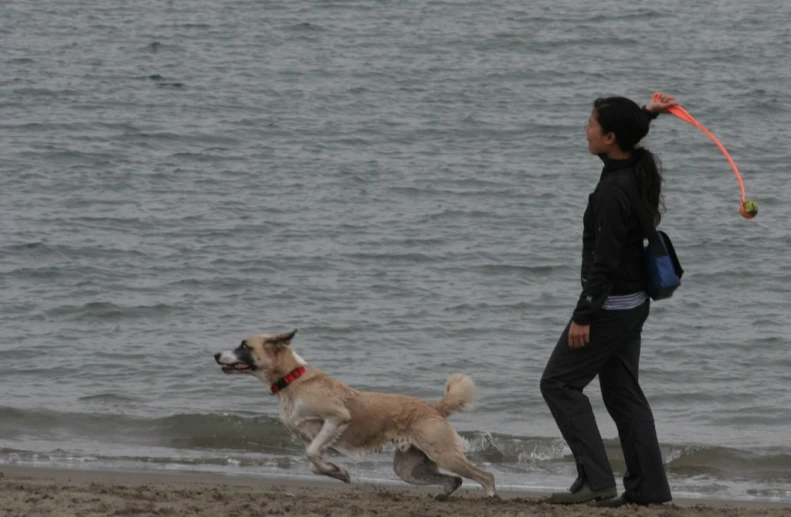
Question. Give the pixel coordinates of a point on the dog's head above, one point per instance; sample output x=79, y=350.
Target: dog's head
x=263, y=355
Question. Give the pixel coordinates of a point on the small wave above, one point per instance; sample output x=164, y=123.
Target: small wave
x=40, y=250
x=201, y=26
x=44, y=92
x=214, y=435
x=205, y=155
x=66, y=254
x=169, y=136
x=37, y=273
x=500, y=448
x=182, y=431
x=109, y=311
x=215, y=284
x=61, y=457
x=477, y=307
x=212, y=431
x=305, y=26
x=400, y=258
x=23, y=246
x=109, y=397
x=766, y=464
x=526, y=270
x=772, y=464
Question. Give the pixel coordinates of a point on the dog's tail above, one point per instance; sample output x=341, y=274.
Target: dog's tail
x=459, y=395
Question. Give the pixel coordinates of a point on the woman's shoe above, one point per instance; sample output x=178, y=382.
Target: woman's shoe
x=583, y=494
x=617, y=502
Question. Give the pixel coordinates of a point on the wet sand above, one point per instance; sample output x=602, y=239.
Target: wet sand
x=87, y=493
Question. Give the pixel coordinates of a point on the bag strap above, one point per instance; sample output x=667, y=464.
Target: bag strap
x=646, y=222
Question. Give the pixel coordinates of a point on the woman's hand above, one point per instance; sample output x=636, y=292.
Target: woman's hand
x=579, y=335
x=665, y=101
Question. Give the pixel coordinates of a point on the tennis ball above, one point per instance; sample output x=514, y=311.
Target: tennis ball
x=749, y=209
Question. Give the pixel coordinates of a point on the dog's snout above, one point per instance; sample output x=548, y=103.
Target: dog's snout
x=217, y=357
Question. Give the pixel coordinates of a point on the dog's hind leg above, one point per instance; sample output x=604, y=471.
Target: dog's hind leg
x=331, y=430
x=415, y=468
x=456, y=462
x=439, y=441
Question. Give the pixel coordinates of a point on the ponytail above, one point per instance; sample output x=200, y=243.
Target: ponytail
x=648, y=171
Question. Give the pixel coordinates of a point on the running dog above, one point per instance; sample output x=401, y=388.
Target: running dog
x=327, y=414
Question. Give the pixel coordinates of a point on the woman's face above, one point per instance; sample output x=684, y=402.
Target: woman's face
x=598, y=142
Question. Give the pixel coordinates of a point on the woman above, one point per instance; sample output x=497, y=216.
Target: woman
x=603, y=336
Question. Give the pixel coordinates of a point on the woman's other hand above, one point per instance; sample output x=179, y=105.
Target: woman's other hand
x=579, y=335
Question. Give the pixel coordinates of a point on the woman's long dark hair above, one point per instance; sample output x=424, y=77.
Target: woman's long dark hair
x=630, y=124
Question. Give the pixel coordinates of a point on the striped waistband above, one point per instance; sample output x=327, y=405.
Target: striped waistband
x=625, y=302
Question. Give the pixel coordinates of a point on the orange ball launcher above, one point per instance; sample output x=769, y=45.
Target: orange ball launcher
x=748, y=209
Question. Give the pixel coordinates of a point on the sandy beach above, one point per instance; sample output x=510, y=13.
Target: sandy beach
x=66, y=493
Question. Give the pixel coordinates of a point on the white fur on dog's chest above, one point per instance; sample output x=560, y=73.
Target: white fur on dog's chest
x=300, y=419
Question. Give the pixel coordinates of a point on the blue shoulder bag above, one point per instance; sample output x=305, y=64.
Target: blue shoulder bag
x=661, y=263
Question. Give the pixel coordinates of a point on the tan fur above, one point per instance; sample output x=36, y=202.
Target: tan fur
x=459, y=395
x=328, y=414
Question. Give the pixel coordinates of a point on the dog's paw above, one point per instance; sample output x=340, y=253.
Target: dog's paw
x=442, y=497
x=339, y=473
x=344, y=476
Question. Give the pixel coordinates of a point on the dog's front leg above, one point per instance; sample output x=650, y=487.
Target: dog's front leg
x=331, y=430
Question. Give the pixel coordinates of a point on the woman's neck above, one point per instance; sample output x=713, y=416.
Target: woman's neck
x=617, y=154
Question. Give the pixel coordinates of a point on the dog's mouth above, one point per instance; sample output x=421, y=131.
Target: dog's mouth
x=232, y=363
x=237, y=368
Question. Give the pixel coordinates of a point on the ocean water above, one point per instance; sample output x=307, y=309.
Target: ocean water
x=404, y=183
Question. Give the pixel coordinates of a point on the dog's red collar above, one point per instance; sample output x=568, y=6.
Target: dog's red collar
x=288, y=379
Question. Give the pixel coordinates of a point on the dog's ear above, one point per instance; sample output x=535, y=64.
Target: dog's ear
x=282, y=339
